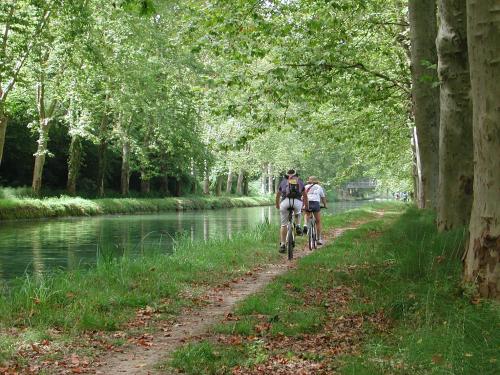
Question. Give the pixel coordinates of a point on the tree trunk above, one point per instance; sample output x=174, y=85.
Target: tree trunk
x=482, y=258
x=455, y=138
x=164, y=183
x=206, y=181
x=417, y=171
x=425, y=97
x=102, y=163
x=239, y=184
x=229, y=184
x=263, y=180
x=277, y=181
x=40, y=155
x=145, y=183
x=270, y=184
x=218, y=186
x=3, y=129
x=125, y=175
x=177, y=188
x=245, y=185
x=74, y=163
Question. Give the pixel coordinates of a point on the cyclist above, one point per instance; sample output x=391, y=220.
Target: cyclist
x=315, y=195
x=291, y=193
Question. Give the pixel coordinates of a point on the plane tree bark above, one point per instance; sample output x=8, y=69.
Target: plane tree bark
x=425, y=96
x=455, y=138
x=482, y=257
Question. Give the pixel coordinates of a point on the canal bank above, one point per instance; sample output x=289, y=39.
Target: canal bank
x=39, y=246
x=72, y=311
x=27, y=208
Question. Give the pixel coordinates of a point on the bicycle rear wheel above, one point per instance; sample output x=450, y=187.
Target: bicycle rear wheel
x=290, y=241
x=314, y=237
x=310, y=243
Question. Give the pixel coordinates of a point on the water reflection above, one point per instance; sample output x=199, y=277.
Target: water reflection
x=39, y=245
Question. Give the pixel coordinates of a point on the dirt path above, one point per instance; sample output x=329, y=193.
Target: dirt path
x=142, y=359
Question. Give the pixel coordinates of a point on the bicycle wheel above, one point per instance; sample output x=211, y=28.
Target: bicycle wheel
x=310, y=243
x=314, y=237
x=290, y=241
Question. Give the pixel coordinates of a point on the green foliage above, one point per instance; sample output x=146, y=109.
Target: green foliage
x=198, y=89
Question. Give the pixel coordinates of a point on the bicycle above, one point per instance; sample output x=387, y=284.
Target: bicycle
x=312, y=234
x=290, y=233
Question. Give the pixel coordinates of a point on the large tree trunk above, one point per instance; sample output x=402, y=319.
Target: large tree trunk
x=125, y=175
x=3, y=128
x=229, y=184
x=41, y=152
x=74, y=163
x=239, y=184
x=456, y=168
x=423, y=32
x=482, y=259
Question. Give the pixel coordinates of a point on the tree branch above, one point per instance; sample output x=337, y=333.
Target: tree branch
x=360, y=66
x=20, y=63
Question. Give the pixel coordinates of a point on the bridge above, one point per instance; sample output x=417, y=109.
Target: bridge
x=362, y=184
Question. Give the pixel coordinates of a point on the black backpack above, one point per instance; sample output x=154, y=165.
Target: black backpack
x=292, y=189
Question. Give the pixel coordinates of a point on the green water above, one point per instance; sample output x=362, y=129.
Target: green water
x=37, y=246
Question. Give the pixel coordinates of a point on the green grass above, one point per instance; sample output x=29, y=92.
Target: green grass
x=398, y=265
x=30, y=208
x=106, y=296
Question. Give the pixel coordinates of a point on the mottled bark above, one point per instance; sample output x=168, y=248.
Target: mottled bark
x=125, y=172
x=45, y=114
x=239, y=183
x=425, y=97
x=41, y=153
x=417, y=171
x=455, y=138
x=482, y=258
x=74, y=163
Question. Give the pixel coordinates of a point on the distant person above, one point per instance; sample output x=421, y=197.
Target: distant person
x=315, y=196
x=291, y=193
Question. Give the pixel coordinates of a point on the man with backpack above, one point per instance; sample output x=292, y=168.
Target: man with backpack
x=291, y=193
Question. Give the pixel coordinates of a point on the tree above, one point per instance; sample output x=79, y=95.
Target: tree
x=425, y=94
x=482, y=257
x=22, y=24
x=455, y=138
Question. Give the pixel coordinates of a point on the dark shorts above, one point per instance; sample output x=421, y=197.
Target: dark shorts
x=313, y=206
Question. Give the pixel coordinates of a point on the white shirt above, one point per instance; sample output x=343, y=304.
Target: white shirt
x=314, y=192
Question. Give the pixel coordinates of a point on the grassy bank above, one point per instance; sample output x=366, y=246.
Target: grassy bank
x=29, y=208
x=61, y=308
x=382, y=299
